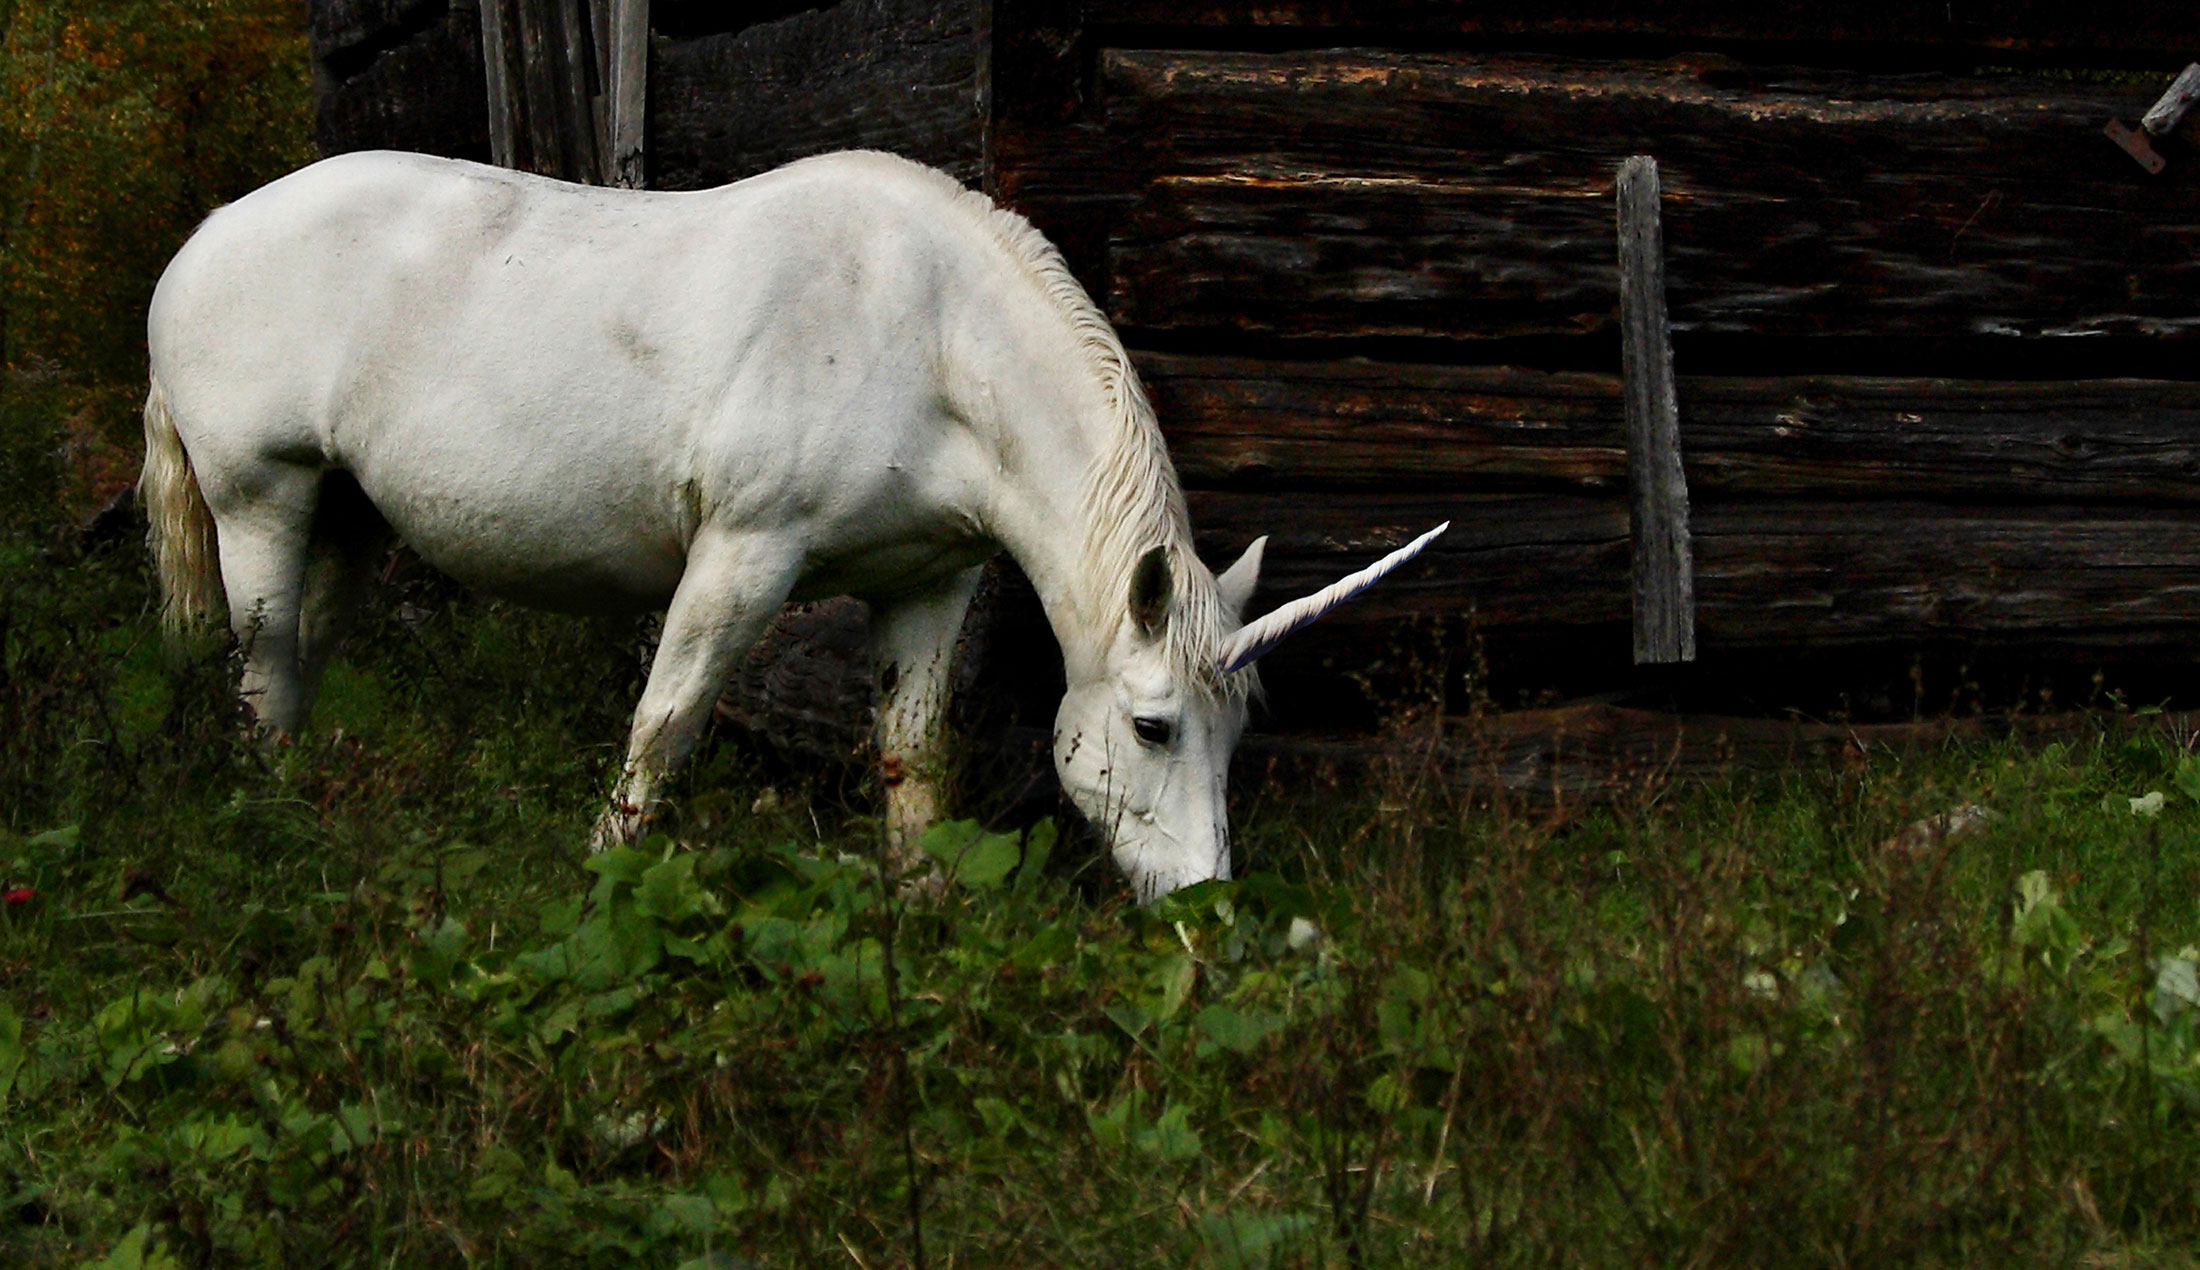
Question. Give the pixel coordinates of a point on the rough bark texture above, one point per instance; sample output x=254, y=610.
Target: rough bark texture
x=1246, y=423
x=2148, y=32
x=1657, y=524
x=899, y=75
x=400, y=75
x=1368, y=194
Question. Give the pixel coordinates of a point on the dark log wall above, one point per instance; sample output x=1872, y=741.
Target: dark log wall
x=899, y=75
x=400, y=75
x=1933, y=327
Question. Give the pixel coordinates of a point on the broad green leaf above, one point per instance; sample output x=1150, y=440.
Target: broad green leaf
x=1250, y=1239
x=973, y=857
x=220, y=1137
x=1389, y=1095
x=621, y=863
x=684, y=1214
x=1238, y=1031
x=1174, y=983
x=669, y=891
x=1173, y=1138
x=136, y=1252
x=63, y=837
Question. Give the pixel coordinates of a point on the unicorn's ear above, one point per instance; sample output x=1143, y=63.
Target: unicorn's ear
x=1152, y=588
x=1237, y=582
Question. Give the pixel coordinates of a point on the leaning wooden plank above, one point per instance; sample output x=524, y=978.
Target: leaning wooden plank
x=899, y=75
x=2165, y=114
x=2145, y=28
x=1371, y=194
x=1338, y=426
x=1665, y=611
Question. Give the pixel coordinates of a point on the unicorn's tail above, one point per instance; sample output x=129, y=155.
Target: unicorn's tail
x=181, y=532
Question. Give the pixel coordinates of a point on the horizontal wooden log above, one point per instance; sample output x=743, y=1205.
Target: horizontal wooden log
x=411, y=88
x=899, y=75
x=1247, y=423
x=1767, y=574
x=2147, y=30
x=1459, y=197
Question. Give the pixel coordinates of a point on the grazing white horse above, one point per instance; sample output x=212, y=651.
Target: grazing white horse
x=849, y=375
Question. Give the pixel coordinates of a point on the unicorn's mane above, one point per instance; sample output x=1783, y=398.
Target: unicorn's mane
x=1132, y=501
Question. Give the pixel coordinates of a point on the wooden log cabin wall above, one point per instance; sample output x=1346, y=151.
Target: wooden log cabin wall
x=1937, y=337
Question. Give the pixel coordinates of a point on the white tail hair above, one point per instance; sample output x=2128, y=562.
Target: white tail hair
x=1250, y=641
x=180, y=529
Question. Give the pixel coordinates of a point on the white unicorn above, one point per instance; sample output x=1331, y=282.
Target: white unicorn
x=847, y=376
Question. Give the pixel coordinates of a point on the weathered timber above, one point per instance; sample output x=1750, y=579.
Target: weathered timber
x=1767, y=574
x=399, y=76
x=500, y=70
x=1255, y=424
x=538, y=62
x=2147, y=31
x=2163, y=116
x=359, y=29
x=900, y=75
x=628, y=64
x=1665, y=616
x=1447, y=196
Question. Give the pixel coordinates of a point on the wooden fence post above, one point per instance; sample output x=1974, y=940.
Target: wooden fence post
x=1663, y=568
x=552, y=106
x=628, y=85
x=497, y=70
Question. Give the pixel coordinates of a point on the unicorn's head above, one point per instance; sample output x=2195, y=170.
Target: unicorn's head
x=1142, y=741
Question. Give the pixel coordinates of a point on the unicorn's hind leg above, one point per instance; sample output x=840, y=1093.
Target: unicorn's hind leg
x=263, y=523
x=732, y=586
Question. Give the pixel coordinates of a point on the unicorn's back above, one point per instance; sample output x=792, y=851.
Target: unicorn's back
x=475, y=345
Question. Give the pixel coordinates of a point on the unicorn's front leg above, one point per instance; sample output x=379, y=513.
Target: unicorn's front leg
x=913, y=643
x=732, y=586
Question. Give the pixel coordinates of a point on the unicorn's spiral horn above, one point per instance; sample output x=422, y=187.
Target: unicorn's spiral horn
x=1255, y=639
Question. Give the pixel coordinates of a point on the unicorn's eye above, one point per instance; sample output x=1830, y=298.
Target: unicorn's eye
x=1153, y=731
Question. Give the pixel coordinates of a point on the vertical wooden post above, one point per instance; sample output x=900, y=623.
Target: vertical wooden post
x=545, y=114
x=496, y=68
x=628, y=87
x=574, y=58
x=1663, y=567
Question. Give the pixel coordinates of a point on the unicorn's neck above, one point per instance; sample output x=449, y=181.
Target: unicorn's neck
x=1082, y=484
x=1041, y=517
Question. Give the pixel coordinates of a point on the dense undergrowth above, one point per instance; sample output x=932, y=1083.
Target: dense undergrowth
x=363, y=1000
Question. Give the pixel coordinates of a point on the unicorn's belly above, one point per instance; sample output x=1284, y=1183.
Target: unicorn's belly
x=573, y=547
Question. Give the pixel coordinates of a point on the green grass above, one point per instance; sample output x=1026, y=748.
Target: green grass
x=362, y=1000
